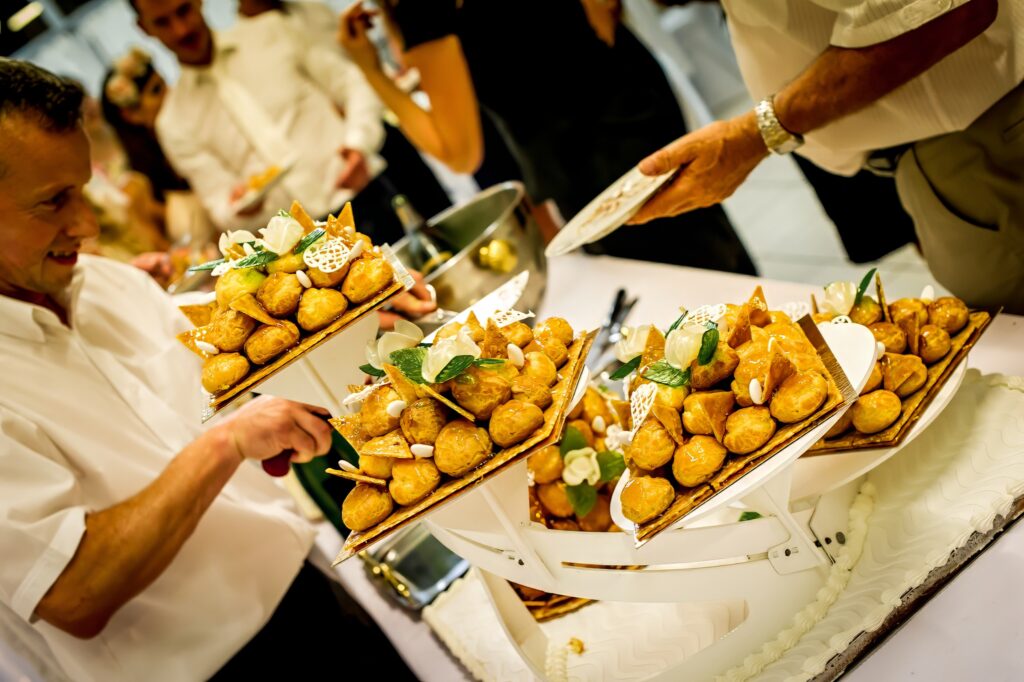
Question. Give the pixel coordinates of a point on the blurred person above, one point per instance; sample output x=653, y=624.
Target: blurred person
x=137, y=543
x=577, y=99
x=929, y=92
x=249, y=102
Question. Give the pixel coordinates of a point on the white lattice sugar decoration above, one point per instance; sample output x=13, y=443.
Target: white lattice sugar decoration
x=704, y=314
x=640, y=404
x=796, y=309
x=327, y=255
x=504, y=318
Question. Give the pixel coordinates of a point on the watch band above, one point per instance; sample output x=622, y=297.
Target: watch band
x=775, y=136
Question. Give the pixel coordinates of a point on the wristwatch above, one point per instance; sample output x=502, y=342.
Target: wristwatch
x=776, y=138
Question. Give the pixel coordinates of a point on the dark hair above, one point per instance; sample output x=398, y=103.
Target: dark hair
x=26, y=89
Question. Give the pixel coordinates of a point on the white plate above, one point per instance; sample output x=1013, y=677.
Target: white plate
x=607, y=212
x=819, y=474
x=255, y=196
x=854, y=348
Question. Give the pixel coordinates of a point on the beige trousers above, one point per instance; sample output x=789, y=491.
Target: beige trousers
x=965, y=192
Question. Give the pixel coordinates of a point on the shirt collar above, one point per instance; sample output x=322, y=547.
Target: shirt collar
x=30, y=322
x=224, y=43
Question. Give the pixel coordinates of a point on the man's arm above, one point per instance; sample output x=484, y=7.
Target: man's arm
x=841, y=81
x=127, y=546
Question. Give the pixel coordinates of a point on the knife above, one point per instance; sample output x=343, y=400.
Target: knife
x=610, y=333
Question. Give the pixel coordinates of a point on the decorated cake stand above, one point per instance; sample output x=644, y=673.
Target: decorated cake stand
x=754, y=575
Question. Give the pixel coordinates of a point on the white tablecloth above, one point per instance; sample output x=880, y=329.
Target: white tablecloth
x=979, y=611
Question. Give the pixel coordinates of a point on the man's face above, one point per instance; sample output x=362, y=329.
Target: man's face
x=180, y=26
x=43, y=215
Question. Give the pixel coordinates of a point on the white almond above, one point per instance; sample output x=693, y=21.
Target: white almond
x=598, y=424
x=303, y=278
x=515, y=355
x=422, y=451
x=346, y=465
x=357, y=250
x=928, y=293
x=756, y=396
x=395, y=408
x=207, y=347
x=879, y=349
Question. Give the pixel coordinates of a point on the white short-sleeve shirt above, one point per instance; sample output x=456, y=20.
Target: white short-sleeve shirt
x=90, y=415
x=775, y=40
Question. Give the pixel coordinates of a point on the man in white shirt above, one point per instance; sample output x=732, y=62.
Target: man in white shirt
x=251, y=99
x=136, y=544
x=932, y=87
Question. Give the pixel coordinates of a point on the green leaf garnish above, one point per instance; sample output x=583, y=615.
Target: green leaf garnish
x=371, y=370
x=663, y=373
x=749, y=516
x=582, y=497
x=256, y=260
x=209, y=265
x=708, y=344
x=572, y=440
x=409, y=362
x=864, y=284
x=455, y=367
x=308, y=240
x=488, y=362
x=679, y=321
x=626, y=369
x=612, y=465
x=284, y=214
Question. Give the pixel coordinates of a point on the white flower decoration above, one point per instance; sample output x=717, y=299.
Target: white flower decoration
x=839, y=298
x=406, y=335
x=122, y=91
x=281, y=234
x=632, y=343
x=442, y=352
x=617, y=438
x=581, y=465
x=229, y=239
x=683, y=345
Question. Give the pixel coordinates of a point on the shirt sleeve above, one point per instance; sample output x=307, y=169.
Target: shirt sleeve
x=421, y=21
x=860, y=23
x=42, y=519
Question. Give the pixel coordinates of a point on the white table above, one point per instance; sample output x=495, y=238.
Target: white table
x=971, y=630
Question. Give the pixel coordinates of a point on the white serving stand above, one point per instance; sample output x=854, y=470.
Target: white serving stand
x=760, y=571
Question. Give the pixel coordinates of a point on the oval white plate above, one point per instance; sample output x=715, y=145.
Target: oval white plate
x=607, y=212
x=854, y=348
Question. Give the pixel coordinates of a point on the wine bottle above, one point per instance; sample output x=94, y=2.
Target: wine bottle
x=425, y=250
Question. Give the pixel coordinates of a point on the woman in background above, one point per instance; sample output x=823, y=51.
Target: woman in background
x=579, y=104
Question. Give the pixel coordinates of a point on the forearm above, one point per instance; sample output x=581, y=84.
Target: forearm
x=841, y=81
x=127, y=546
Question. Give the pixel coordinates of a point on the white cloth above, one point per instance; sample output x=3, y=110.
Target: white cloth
x=775, y=40
x=297, y=90
x=90, y=416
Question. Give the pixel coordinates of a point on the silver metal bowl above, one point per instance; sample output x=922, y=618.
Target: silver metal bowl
x=494, y=237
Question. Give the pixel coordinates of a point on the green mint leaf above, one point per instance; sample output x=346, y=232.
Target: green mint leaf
x=308, y=240
x=749, y=516
x=371, y=370
x=409, y=362
x=488, y=362
x=662, y=372
x=256, y=260
x=708, y=345
x=625, y=370
x=284, y=214
x=209, y=265
x=455, y=367
x=612, y=465
x=675, y=325
x=572, y=440
x=582, y=497
x=864, y=284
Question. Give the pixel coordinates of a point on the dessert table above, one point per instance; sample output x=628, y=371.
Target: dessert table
x=973, y=624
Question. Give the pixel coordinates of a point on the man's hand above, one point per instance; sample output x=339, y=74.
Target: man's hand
x=712, y=161
x=239, y=191
x=355, y=175
x=267, y=426
x=353, y=35
x=157, y=264
x=411, y=304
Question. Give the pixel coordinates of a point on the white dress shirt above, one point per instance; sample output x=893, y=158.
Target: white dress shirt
x=269, y=98
x=89, y=416
x=775, y=40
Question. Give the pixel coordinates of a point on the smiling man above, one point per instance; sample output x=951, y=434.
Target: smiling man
x=136, y=544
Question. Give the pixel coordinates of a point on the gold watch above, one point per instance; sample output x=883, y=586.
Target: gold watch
x=775, y=136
